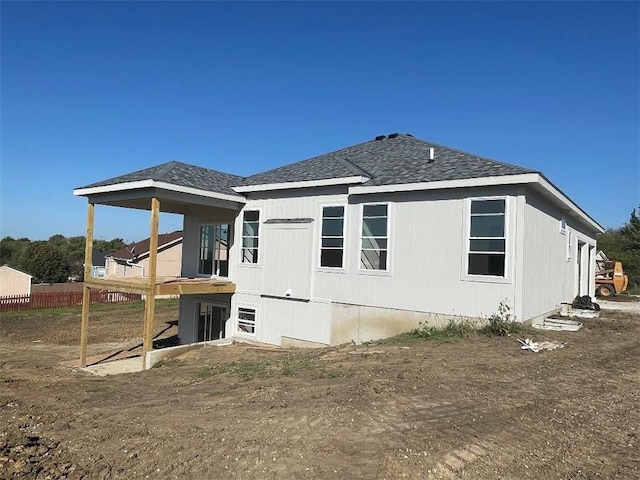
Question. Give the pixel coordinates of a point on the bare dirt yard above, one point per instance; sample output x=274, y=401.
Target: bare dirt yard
x=475, y=408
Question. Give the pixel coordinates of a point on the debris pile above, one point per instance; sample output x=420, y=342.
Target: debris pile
x=528, y=344
x=584, y=303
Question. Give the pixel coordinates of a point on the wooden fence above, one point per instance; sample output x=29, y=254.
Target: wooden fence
x=37, y=301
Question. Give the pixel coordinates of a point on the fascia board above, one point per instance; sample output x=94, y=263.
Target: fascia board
x=119, y=187
x=444, y=184
x=565, y=201
x=305, y=184
x=527, y=178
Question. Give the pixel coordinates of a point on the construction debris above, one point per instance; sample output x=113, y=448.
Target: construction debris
x=558, y=324
x=528, y=344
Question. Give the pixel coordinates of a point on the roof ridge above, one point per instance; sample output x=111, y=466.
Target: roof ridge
x=166, y=168
x=355, y=168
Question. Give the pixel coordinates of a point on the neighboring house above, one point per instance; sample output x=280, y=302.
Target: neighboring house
x=98, y=259
x=367, y=241
x=133, y=261
x=14, y=282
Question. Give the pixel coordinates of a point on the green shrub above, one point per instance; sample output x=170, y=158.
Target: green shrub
x=452, y=330
x=503, y=323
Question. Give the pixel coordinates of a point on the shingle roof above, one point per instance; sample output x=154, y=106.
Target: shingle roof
x=395, y=159
x=141, y=248
x=182, y=174
x=389, y=160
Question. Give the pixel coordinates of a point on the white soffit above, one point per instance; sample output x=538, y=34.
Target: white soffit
x=120, y=187
x=306, y=184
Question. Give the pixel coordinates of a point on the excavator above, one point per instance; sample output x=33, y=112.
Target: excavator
x=610, y=277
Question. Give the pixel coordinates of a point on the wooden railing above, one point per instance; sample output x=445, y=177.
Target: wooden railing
x=37, y=301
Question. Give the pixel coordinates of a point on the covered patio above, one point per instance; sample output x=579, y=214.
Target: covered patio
x=171, y=188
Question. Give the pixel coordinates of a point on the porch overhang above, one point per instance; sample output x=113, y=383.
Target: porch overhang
x=173, y=198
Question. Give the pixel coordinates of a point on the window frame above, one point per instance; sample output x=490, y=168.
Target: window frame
x=505, y=277
x=213, y=251
x=255, y=320
x=242, y=237
x=372, y=271
x=343, y=267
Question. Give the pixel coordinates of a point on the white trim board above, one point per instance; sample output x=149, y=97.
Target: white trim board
x=119, y=187
x=328, y=182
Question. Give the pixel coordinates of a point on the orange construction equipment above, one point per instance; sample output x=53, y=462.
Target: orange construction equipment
x=610, y=277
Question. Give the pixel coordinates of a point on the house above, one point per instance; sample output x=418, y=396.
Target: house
x=133, y=261
x=98, y=262
x=14, y=282
x=364, y=242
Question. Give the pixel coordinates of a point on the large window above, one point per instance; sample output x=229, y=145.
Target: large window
x=250, y=236
x=373, y=247
x=214, y=245
x=332, y=239
x=487, y=238
x=246, y=320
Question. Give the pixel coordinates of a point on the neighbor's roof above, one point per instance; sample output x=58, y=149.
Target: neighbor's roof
x=141, y=248
x=7, y=267
x=98, y=256
x=182, y=174
x=389, y=160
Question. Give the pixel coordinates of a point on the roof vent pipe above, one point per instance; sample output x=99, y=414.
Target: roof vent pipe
x=431, y=154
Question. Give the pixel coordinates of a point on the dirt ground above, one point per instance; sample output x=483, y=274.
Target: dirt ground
x=477, y=408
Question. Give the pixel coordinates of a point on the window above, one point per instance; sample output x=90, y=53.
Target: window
x=250, y=236
x=487, y=240
x=213, y=250
x=373, y=251
x=569, y=245
x=246, y=320
x=332, y=237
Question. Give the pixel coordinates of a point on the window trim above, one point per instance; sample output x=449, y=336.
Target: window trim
x=506, y=277
x=366, y=271
x=319, y=265
x=241, y=237
x=237, y=320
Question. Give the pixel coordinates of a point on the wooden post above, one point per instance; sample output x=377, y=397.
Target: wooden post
x=86, y=291
x=150, y=302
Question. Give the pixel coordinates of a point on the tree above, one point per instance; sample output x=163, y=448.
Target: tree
x=12, y=250
x=46, y=263
x=623, y=244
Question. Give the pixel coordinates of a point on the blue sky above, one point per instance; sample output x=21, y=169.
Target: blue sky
x=91, y=90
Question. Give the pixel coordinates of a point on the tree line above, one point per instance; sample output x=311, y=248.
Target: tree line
x=623, y=244
x=52, y=261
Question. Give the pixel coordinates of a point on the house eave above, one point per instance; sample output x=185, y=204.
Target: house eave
x=141, y=184
x=304, y=184
x=535, y=180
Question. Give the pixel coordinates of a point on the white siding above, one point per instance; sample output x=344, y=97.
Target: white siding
x=549, y=278
x=14, y=282
x=427, y=247
x=426, y=277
